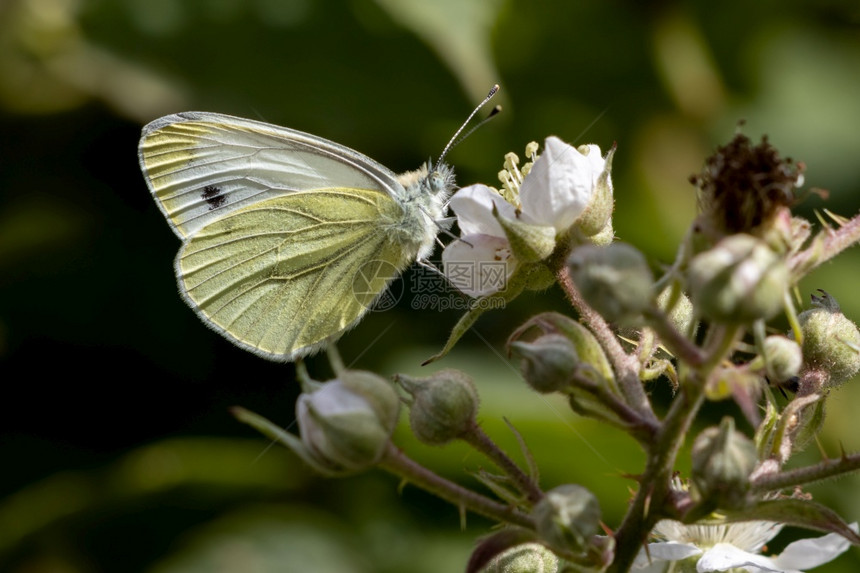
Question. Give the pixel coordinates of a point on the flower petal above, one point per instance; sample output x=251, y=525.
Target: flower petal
x=478, y=265
x=560, y=184
x=723, y=556
x=809, y=553
x=592, y=153
x=474, y=208
x=665, y=551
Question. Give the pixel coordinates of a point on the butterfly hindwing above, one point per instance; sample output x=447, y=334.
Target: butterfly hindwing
x=279, y=277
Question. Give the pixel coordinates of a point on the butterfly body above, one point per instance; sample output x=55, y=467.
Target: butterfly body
x=288, y=238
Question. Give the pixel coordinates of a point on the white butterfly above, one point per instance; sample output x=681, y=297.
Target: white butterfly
x=287, y=238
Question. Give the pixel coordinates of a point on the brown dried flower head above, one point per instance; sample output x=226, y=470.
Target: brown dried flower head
x=743, y=187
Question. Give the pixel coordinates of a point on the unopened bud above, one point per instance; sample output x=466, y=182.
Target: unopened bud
x=782, y=359
x=723, y=460
x=346, y=423
x=568, y=359
x=740, y=280
x=444, y=405
x=548, y=363
x=615, y=280
x=567, y=517
x=525, y=558
x=831, y=342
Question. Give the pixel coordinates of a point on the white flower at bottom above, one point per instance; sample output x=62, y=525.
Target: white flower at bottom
x=736, y=546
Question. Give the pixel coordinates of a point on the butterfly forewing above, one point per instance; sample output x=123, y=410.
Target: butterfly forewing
x=200, y=166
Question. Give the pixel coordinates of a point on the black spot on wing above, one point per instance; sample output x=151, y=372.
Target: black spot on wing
x=212, y=195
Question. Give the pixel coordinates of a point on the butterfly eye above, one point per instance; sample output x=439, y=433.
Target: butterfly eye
x=437, y=182
x=440, y=180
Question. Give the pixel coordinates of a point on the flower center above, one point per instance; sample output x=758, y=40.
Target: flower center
x=511, y=177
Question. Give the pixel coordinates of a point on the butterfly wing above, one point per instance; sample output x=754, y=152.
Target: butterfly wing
x=285, y=234
x=283, y=275
x=200, y=166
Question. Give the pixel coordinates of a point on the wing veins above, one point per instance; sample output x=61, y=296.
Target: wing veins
x=324, y=262
x=287, y=234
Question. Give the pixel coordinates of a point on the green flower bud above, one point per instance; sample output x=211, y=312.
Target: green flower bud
x=444, y=405
x=378, y=392
x=548, y=363
x=551, y=365
x=782, y=358
x=587, y=347
x=594, y=363
x=831, y=342
x=345, y=424
x=567, y=518
x=525, y=558
x=615, y=280
x=723, y=460
x=739, y=280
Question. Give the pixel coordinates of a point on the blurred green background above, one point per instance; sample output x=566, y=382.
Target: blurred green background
x=117, y=450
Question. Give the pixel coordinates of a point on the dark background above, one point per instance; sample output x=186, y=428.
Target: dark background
x=116, y=448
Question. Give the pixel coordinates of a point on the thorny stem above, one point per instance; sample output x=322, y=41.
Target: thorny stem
x=654, y=494
x=643, y=429
x=484, y=444
x=647, y=507
x=833, y=243
x=398, y=463
x=810, y=474
x=626, y=366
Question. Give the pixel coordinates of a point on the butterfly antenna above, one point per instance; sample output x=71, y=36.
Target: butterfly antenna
x=493, y=112
x=455, y=138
